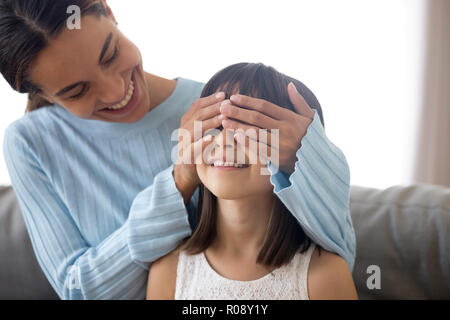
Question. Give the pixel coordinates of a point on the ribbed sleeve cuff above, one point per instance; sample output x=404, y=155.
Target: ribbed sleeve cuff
x=317, y=149
x=158, y=219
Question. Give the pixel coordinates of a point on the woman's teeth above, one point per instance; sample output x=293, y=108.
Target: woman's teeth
x=219, y=163
x=127, y=99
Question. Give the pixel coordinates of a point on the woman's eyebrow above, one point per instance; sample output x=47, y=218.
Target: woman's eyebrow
x=105, y=47
x=102, y=54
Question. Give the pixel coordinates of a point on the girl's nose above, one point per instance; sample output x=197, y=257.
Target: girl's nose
x=225, y=138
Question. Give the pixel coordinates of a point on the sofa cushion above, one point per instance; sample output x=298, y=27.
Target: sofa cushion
x=405, y=231
x=20, y=274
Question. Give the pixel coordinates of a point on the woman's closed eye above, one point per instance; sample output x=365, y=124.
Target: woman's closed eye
x=82, y=92
x=113, y=57
x=106, y=63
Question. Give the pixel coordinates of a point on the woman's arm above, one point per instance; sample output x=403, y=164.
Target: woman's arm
x=317, y=193
x=116, y=268
x=329, y=278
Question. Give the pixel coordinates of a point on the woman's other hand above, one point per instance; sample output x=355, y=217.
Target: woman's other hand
x=206, y=110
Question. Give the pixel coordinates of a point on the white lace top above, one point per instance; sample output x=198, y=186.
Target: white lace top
x=197, y=280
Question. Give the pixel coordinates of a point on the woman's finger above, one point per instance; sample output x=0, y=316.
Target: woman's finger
x=254, y=133
x=207, y=101
x=299, y=103
x=255, y=152
x=200, y=146
x=246, y=148
x=192, y=154
x=263, y=106
x=252, y=117
x=212, y=123
x=207, y=112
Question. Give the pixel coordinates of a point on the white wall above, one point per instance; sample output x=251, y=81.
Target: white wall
x=360, y=58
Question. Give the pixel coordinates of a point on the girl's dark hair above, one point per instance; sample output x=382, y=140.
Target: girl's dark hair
x=284, y=235
x=26, y=28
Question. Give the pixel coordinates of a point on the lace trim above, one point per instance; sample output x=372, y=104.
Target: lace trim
x=196, y=279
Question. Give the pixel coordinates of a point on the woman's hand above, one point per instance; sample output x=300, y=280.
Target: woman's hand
x=206, y=110
x=261, y=114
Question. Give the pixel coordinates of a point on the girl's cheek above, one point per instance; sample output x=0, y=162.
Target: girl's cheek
x=260, y=181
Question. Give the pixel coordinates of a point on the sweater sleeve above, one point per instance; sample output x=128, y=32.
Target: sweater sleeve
x=116, y=268
x=317, y=193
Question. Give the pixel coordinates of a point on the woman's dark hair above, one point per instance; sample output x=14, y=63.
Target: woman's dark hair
x=26, y=28
x=284, y=235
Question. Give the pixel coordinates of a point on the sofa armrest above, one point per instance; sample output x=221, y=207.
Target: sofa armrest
x=20, y=274
x=405, y=231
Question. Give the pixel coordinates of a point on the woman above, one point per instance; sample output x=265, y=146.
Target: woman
x=99, y=193
x=247, y=245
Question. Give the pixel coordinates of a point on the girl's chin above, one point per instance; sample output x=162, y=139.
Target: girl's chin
x=226, y=170
x=231, y=189
x=228, y=195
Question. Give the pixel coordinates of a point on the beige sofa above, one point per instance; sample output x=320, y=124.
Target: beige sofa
x=403, y=231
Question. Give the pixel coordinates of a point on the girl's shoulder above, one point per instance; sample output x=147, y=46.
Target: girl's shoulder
x=162, y=277
x=329, y=276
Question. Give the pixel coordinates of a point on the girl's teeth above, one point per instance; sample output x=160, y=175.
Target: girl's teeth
x=227, y=164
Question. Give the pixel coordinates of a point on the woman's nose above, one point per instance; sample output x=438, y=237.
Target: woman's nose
x=112, y=90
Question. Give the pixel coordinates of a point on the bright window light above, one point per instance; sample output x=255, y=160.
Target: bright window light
x=362, y=59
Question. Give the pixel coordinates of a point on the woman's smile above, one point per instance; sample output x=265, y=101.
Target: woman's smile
x=128, y=103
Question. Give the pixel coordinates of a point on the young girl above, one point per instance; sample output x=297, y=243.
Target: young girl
x=247, y=245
